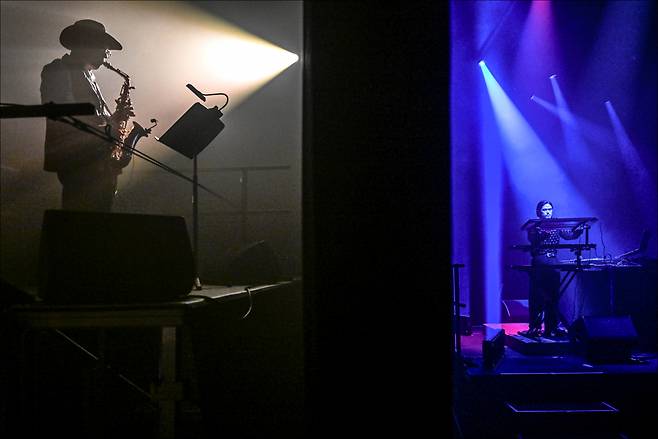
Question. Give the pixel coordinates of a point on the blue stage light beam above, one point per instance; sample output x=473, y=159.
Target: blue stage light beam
x=630, y=158
x=532, y=172
x=576, y=146
x=590, y=130
x=492, y=194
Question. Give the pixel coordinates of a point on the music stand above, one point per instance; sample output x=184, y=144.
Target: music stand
x=190, y=135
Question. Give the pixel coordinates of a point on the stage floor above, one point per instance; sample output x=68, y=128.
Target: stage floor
x=551, y=395
x=523, y=356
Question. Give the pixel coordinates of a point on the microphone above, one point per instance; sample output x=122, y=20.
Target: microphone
x=196, y=92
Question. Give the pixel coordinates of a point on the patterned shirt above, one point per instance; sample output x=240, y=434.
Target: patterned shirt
x=539, y=238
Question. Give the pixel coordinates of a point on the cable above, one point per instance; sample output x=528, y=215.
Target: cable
x=251, y=304
x=455, y=420
x=219, y=94
x=249, y=294
x=202, y=96
x=602, y=242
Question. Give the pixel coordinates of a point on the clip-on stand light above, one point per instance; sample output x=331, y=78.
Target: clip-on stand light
x=190, y=135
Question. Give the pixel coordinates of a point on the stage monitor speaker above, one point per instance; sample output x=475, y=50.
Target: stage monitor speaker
x=12, y=295
x=253, y=264
x=605, y=338
x=493, y=347
x=113, y=258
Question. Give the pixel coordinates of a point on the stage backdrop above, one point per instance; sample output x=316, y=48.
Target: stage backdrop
x=554, y=101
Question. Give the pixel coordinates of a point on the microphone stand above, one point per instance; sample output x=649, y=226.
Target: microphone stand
x=64, y=113
x=83, y=126
x=195, y=221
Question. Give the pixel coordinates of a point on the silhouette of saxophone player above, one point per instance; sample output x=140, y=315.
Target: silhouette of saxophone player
x=82, y=161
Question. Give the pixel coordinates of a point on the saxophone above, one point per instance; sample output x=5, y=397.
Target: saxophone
x=122, y=151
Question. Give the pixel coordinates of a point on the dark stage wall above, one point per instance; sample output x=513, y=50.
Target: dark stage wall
x=376, y=218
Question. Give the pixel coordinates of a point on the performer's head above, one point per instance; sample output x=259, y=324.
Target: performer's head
x=88, y=42
x=544, y=209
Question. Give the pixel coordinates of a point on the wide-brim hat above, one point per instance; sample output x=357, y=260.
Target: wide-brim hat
x=88, y=33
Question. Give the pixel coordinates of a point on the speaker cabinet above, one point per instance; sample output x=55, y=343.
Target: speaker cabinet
x=255, y=263
x=113, y=258
x=10, y=295
x=605, y=339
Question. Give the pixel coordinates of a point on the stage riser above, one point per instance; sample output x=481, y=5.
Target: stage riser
x=545, y=346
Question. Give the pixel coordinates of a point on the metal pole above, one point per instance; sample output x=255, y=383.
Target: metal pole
x=195, y=223
x=243, y=206
x=456, y=304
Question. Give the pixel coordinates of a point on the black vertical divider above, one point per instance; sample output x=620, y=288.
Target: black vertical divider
x=376, y=217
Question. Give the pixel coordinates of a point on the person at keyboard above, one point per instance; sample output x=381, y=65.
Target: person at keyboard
x=544, y=279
